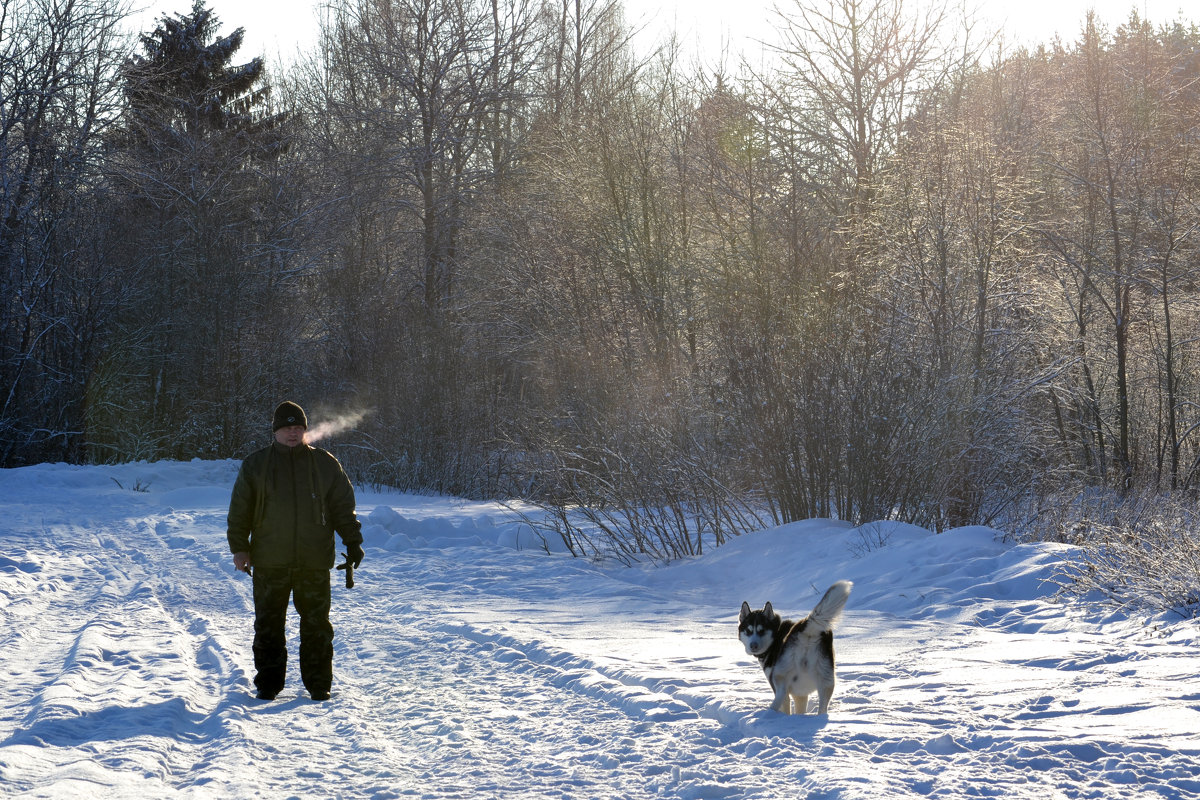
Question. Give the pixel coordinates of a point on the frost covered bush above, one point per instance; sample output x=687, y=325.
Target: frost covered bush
x=660, y=507
x=1139, y=552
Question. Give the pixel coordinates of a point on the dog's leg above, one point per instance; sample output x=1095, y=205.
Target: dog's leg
x=801, y=701
x=783, y=701
x=824, y=694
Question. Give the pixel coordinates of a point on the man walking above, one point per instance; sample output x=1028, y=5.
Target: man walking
x=288, y=500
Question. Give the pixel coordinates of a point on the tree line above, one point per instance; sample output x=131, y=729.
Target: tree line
x=900, y=270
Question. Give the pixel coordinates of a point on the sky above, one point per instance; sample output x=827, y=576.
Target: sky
x=471, y=662
x=277, y=28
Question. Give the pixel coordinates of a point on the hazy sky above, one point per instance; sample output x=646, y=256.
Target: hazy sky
x=277, y=27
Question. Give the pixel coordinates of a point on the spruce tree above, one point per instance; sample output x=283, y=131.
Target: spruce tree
x=185, y=82
x=196, y=157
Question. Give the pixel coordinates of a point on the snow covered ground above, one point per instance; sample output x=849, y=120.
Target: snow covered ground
x=469, y=664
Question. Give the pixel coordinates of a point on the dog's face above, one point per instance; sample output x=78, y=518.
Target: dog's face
x=756, y=629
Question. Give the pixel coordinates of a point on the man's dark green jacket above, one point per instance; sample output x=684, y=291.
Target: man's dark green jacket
x=287, y=502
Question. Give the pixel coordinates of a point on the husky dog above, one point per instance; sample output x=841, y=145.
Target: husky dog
x=796, y=656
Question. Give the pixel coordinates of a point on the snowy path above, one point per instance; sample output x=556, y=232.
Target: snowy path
x=480, y=671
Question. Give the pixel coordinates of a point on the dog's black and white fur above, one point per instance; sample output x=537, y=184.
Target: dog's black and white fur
x=797, y=657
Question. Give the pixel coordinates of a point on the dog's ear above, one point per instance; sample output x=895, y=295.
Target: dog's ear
x=745, y=612
x=767, y=609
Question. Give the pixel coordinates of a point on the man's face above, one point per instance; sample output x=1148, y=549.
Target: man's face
x=290, y=435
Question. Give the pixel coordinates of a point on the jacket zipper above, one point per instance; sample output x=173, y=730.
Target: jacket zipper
x=295, y=513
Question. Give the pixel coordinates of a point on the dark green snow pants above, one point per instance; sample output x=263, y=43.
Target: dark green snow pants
x=309, y=590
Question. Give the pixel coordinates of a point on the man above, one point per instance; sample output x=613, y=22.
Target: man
x=288, y=500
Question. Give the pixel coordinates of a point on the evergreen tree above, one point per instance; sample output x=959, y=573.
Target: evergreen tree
x=197, y=154
x=185, y=83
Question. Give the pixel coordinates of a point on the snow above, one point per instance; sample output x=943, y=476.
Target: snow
x=471, y=662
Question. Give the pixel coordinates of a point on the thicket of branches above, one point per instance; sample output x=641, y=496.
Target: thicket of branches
x=902, y=271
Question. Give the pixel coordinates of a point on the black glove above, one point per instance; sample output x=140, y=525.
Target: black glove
x=354, y=554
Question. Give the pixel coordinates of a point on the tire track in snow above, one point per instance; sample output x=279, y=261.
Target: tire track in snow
x=639, y=698
x=273, y=742
x=111, y=661
x=494, y=705
x=475, y=724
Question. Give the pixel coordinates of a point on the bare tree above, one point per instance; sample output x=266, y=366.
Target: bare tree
x=853, y=70
x=1119, y=229
x=951, y=241
x=432, y=79
x=417, y=110
x=58, y=96
x=832, y=115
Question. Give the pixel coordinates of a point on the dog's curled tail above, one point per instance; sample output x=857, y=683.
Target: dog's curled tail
x=830, y=608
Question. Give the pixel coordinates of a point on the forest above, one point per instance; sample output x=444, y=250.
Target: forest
x=902, y=270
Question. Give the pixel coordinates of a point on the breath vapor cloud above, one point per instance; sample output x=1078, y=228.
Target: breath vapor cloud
x=332, y=427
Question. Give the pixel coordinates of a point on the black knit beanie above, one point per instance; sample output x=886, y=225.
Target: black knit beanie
x=288, y=413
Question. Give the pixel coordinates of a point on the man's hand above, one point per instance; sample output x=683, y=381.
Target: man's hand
x=241, y=562
x=354, y=554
